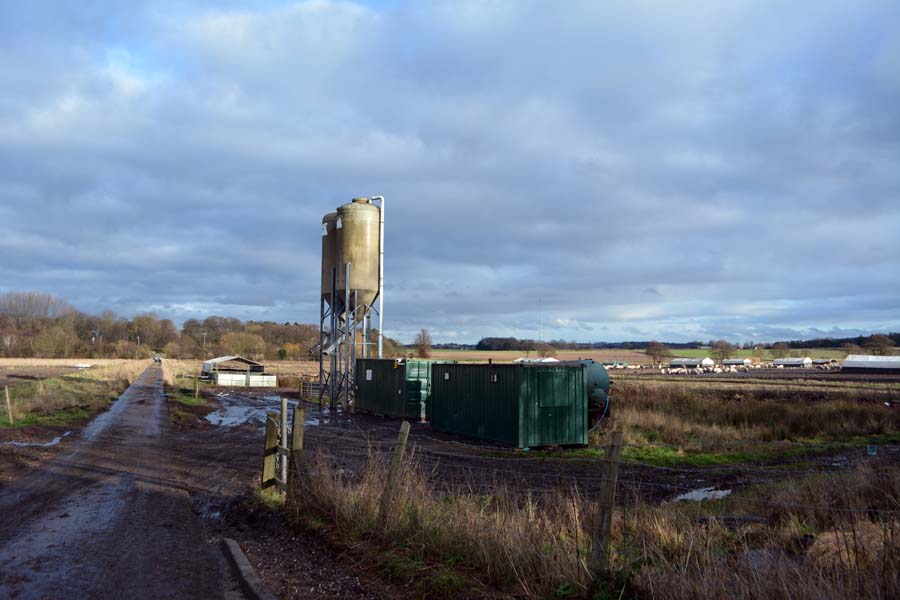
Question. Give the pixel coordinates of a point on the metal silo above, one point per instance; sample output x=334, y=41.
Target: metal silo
x=359, y=245
x=329, y=253
x=352, y=281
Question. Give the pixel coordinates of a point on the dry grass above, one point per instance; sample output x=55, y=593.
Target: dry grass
x=452, y=544
x=818, y=538
x=72, y=397
x=707, y=417
x=61, y=362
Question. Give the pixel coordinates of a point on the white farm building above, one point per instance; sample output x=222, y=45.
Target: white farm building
x=737, y=362
x=235, y=371
x=692, y=363
x=793, y=363
x=863, y=363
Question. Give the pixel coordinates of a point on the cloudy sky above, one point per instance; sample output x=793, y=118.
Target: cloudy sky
x=595, y=170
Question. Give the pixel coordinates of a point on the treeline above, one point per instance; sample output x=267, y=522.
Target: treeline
x=40, y=325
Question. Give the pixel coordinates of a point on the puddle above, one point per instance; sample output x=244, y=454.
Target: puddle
x=52, y=442
x=236, y=410
x=704, y=494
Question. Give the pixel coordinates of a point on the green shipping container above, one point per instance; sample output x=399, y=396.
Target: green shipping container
x=394, y=388
x=526, y=406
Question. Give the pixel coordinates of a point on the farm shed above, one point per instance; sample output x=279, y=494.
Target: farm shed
x=863, y=363
x=394, y=388
x=793, y=363
x=737, y=362
x=235, y=370
x=526, y=406
x=692, y=363
x=544, y=360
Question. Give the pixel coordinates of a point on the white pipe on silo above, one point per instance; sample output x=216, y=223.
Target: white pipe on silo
x=380, y=276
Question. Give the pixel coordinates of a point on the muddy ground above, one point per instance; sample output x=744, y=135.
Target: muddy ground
x=134, y=507
x=135, y=504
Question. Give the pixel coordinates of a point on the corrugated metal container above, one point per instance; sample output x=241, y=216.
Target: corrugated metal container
x=527, y=406
x=240, y=380
x=394, y=388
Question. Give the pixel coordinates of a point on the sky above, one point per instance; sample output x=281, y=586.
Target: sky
x=577, y=170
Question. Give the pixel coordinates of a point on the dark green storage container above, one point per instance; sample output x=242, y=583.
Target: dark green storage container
x=526, y=406
x=394, y=388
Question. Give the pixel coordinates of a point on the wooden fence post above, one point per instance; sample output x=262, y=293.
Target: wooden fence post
x=248, y=377
x=8, y=406
x=270, y=452
x=196, y=386
x=298, y=468
x=283, y=452
x=600, y=547
x=388, y=497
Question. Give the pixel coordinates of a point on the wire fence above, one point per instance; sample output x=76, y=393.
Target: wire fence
x=540, y=475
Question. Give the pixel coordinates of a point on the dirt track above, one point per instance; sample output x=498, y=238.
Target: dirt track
x=110, y=519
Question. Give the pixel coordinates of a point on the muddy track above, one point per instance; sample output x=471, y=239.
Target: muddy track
x=111, y=518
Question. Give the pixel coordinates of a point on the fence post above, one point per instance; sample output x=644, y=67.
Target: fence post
x=388, y=497
x=283, y=452
x=196, y=386
x=8, y=406
x=600, y=547
x=248, y=377
x=298, y=469
x=270, y=452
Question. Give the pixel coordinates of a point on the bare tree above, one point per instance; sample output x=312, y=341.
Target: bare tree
x=423, y=344
x=780, y=350
x=657, y=351
x=722, y=349
x=879, y=344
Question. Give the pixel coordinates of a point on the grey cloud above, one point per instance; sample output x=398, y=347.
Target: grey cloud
x=723, y=169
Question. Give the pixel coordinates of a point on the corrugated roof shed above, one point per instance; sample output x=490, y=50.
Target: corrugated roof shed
x=793, y=362
x=737, y=361
x=865, y=361
x=692, y=362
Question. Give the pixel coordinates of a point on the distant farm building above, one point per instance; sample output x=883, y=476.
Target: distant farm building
x=819, y=362
x=235, y=371
x=615, y=364
x=531, y=361
x=737, y=362
x=862, y=363
x=793, y=363
x=692, y=363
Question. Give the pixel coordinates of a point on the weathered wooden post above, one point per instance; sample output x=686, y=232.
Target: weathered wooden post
x=248, y=376
x=270, y=452
x=298, y=468
x=600, y=547
x=9, y=406
x=196, y=387
x=283, y=449
x=387, y=498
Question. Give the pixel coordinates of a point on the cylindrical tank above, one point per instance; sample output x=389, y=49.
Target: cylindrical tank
x=358, y=244
x=329, y=252
x=597, y=379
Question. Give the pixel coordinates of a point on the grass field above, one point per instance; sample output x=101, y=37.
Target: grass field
x=66, y=399
x=630, y=356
